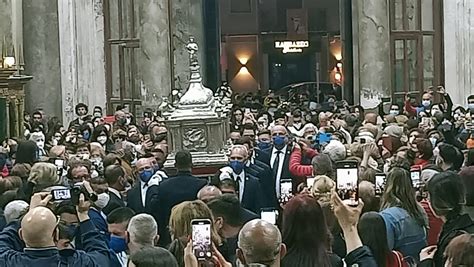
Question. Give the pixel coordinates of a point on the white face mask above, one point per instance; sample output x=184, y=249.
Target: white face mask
x=128, y=121
x=102, y=139
x=84, y=156
x=102, y=200
x=40, y=144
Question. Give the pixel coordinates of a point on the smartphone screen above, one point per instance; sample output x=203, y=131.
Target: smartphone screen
x=269, y=215
x=61, y=194
x=380, y=179
x=415, y=178
x=286, y=191
x=59, y=163
x=347, y=182
x=202, y=239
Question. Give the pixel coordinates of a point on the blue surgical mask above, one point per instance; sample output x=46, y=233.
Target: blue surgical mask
x=433, y=141
x=279, y=141
x=394, y=112
x=117, y=244
x=72, y=231
x=146, y=175
x=426, y=103
x=264, y=145
x=470, y=106
x=86, y=135
x=237, y=166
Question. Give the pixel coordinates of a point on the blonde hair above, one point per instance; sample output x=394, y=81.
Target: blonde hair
x=97, y=148
x=322, y=188
x=182, y=215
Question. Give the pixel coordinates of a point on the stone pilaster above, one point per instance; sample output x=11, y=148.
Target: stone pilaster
x=154, y=53
x=81, y=34
x=6, y=23
x=41, y=50
x=459, y=49
x=187, y=20
x=371, y=32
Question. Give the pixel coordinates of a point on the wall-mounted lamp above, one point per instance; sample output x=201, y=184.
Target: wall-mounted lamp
x=244, y=71
x=339, y=65
x=338, y=77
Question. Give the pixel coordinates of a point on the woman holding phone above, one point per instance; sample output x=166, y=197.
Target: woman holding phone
x=405, y=220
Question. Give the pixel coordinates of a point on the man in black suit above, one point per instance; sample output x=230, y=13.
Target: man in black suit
x=115, y=178
x=228, y=220
x=260, y=171
x=280, y=158
x=182, y=187
x=250, y=131
x=139, y=198
x=234, y=179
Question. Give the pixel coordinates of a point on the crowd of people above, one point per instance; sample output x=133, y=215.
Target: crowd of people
x=96, y=193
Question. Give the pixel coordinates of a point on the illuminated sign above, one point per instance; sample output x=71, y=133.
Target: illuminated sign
x=292, y=46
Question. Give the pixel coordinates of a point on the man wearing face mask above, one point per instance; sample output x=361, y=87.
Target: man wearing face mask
x=139, y=198
x=81, y=112
x=247, y=188
x=280, y=157
x=97, y=112
x=40, y=233
x=297, y=124
x=120, y=121
x=117, y=182
x=426, y=103
x=118, y=221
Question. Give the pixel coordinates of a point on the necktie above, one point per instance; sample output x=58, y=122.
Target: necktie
x=237, y=185
x=276, y=163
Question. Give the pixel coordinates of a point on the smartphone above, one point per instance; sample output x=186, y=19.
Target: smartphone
x=324, y=138
x=61, y=194
x=386, y=99
x=347, y=182
x=415, y=174
x=59, y=163
x=380, y=180
x=201, y=234
x=269, y=215
x=286, y=191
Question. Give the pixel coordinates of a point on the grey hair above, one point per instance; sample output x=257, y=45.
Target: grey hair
x=260, y=241
x=235, y=147
x=142, y=229
x=14, y=210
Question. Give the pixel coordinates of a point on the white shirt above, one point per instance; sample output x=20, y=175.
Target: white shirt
x=280, y=166
x=144, y=188
x=115, y=192
x=241, y=183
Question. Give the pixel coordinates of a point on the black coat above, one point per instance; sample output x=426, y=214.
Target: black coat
x=285, y=171
x=252, y=196
x=114, y=203
x=134, y=199
x=452, y=228
x=264, y=174
x=172, y=191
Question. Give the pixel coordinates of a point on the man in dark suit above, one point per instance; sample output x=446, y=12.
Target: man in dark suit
x=139, y=198
x=260, y=171
x=250, y=131
x=280, y=158
x=234, y=179
x=115, y=178
x=182, y=187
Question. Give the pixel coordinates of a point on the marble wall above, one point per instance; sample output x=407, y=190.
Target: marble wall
x=187, y=20
x=371, y=42
x=154, y=53
x=81, y=34
x=41, y=51
x=459, y=49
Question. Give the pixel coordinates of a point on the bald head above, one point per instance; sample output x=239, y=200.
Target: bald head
x=279, y=129
x=208, y=193
x=260, y=242
x=37, y=228
x=371, y=118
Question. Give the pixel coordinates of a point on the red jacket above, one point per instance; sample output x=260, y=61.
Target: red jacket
x=435, y=223
x=296, y=168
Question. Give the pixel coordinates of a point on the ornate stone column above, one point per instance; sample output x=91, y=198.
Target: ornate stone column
x=41, y=50
x=81, y=34
x=371, y=43
x=187, y=20
x=154, y=53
